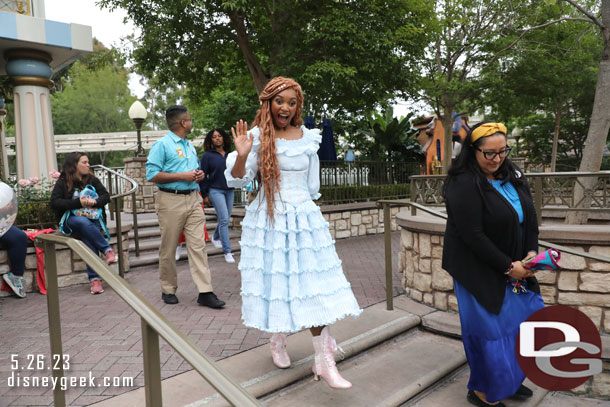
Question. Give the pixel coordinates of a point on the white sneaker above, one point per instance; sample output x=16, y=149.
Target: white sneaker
x=178, y=252
x=217, y=243
x=229, y=258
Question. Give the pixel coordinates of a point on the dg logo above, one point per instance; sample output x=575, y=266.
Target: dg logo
x=559, y=348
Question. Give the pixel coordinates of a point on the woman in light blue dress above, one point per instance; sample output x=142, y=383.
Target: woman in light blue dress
x=292, y=278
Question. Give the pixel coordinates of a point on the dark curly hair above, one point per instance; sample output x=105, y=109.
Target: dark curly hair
x=226, y=145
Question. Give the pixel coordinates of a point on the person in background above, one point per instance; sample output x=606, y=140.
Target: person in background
x=291, y=276
x=214, y=188
x=75, y=175
x=173, y=166
x=16, y=242
x=491, y=228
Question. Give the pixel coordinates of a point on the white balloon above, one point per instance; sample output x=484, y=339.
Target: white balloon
x=8, y=207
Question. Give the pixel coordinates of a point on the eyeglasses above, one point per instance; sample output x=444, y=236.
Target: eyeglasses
x=491, y=155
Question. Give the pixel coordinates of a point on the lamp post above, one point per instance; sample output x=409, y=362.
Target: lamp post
x=137, y=113
x=516, y=133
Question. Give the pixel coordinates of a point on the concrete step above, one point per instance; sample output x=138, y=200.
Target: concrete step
x=453, y=389
x=387, y=375
x=255, y=371
x=153, y=230
x=154, y=242
x=556, y=399
x=151, y=256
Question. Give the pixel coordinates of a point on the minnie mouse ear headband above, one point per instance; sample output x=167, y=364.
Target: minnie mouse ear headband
x=486, y=129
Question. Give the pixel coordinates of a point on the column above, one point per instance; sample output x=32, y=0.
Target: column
x=30, y=75
x=3, y=153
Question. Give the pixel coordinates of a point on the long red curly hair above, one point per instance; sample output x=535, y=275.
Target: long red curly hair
x=268, y=168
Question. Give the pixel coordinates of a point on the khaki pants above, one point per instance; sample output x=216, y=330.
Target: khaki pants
x=178, y=213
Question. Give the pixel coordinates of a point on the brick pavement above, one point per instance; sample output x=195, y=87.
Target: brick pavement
x=102, y=336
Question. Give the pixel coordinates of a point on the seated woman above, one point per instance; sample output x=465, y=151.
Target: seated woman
x=75, y=175
x=16, y=242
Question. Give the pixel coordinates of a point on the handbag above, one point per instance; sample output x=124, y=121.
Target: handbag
x=90, y=213
x=95, y=214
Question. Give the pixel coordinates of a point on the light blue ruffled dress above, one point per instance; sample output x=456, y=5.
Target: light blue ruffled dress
x=291, y=275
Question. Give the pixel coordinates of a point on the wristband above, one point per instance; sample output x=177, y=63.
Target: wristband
x=510, y=268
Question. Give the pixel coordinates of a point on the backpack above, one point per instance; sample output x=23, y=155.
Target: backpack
x=89, y=213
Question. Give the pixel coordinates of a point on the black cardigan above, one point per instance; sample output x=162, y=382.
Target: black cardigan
x=61, y=198
x=483, y=237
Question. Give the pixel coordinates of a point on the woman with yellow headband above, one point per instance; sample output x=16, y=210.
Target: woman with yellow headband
x=491, y=228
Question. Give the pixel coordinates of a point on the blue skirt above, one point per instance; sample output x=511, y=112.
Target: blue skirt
x=489, y=340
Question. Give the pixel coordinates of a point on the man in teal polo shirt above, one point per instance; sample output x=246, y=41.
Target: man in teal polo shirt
x=174, y=167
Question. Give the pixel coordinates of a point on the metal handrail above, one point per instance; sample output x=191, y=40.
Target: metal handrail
x=153, y=325
x=115, y=205
x=414, y=208
x=536, y=186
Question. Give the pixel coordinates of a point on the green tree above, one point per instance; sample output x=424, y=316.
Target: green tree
x=388, y=138
x=158, y=98
x=599, y=126
x=223, y=108
x=347, y=55
x=470, y=37
x=552, y=72
x=92, y=101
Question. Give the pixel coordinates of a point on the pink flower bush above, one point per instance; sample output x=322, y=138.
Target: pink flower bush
x=35, y=189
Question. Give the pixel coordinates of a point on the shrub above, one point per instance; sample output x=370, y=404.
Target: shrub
x=348, y=193
x=33, y=196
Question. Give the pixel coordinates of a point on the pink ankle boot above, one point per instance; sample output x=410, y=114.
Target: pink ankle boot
x=278, y=351
x=324, y=361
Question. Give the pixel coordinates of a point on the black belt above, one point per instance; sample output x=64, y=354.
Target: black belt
x=177, y=191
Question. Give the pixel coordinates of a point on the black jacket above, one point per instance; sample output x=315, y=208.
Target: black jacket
x=483, y=237
x=61, y=198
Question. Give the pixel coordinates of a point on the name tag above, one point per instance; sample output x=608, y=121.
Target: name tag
x=180, y=152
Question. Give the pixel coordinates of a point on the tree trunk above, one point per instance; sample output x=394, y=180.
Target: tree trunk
x=555, y=139
x=259, y=78
x=447, y=120
x=597, y=134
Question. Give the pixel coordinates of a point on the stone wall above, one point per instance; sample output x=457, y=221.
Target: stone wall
x=345, y=220
x=581, y=283
x=351, y=220
x=71, y=270
x=135, y=168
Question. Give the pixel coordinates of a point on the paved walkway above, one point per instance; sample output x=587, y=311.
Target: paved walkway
x=102, y=336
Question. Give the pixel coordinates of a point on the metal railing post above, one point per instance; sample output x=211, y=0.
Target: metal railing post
x=413, y=195
x=135, y=224
x=119, y=237
x=538, y=198
x=112, y=200
x=50, y=261
x=387, y=224
x=152, y=366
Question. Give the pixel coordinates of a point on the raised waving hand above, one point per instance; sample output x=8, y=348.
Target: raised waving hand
x=243, y=142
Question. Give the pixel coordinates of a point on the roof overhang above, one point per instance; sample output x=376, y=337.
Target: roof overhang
x=63, y=42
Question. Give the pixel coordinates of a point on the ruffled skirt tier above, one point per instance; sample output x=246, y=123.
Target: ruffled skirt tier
x=291, y=275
